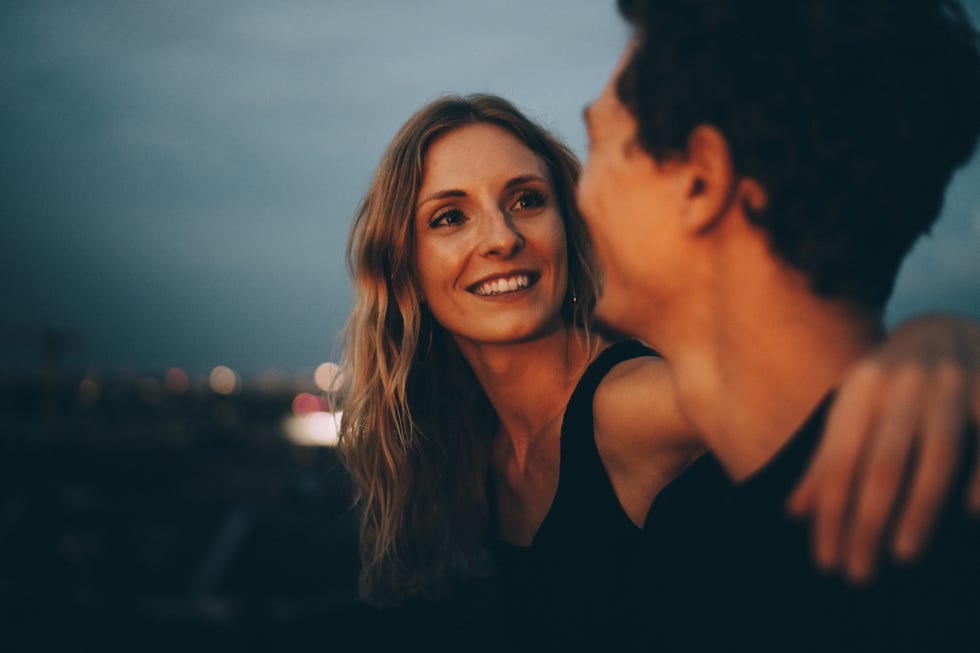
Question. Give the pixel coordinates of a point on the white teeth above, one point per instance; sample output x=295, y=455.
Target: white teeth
x=500, y=286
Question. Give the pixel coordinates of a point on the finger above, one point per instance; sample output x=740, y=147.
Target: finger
x=941, y=425
x=884, y=470
x=802, y=499
x=838, y=459
x=973, y=493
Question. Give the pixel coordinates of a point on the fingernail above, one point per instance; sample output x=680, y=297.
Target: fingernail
x=906, y=547
x=859, y=571
x=825, y=558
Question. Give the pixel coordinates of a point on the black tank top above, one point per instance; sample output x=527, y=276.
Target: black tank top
x=569, y=588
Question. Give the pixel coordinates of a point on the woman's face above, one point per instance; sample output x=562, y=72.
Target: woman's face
x=490, y=243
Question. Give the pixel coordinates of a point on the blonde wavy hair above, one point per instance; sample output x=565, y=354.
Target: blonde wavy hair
x=417, y=427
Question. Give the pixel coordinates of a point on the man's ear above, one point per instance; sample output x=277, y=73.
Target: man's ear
x=711, y=182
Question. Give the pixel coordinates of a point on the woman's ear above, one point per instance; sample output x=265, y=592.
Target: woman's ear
x=711, y=181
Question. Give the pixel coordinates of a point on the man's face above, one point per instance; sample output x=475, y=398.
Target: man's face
x=627, y=200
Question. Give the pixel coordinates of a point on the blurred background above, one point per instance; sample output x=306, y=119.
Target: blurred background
x=177, y=180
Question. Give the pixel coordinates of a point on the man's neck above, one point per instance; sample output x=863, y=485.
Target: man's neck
x=752, y=367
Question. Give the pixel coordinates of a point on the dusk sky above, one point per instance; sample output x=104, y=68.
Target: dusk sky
x=177, y=179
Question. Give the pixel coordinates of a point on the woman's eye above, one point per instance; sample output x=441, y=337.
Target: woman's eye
x=448, y=218
x=528, y=199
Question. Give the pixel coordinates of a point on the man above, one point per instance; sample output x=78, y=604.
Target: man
x=757, y=171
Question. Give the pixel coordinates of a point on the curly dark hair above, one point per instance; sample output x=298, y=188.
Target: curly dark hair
x=852, y=114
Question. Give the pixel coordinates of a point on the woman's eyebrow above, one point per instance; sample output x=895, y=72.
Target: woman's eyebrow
x=441, y=195
x=453, y=192
x=523, y=179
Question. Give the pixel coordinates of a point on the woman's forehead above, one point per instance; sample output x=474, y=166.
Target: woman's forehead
x=477, y=153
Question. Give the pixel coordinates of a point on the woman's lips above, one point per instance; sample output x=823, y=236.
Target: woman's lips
x=502, y=284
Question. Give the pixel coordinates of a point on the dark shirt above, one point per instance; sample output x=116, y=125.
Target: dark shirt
x=568, y=590
x=726, y=569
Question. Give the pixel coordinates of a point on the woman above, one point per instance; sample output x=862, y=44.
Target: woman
x=478, y=403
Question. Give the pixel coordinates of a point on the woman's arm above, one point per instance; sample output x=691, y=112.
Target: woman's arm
x=896, y=423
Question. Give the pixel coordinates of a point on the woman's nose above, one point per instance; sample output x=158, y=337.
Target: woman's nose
x=500, y=236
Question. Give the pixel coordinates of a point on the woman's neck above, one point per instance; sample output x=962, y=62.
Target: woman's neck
x=529, y=383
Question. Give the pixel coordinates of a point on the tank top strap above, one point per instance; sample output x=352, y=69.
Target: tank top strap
x=596, y=371
x=583, y=484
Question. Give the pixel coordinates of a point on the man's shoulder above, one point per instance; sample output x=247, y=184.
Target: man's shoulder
x=731, y=555
x=929, y=603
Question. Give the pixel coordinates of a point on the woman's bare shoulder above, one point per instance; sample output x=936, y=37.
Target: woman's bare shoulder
x=642, y=437
x=635, y=408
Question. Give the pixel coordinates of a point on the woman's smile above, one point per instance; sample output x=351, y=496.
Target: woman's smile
x=504, y=284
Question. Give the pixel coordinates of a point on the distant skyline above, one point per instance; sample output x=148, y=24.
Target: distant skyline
x=178, y=179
